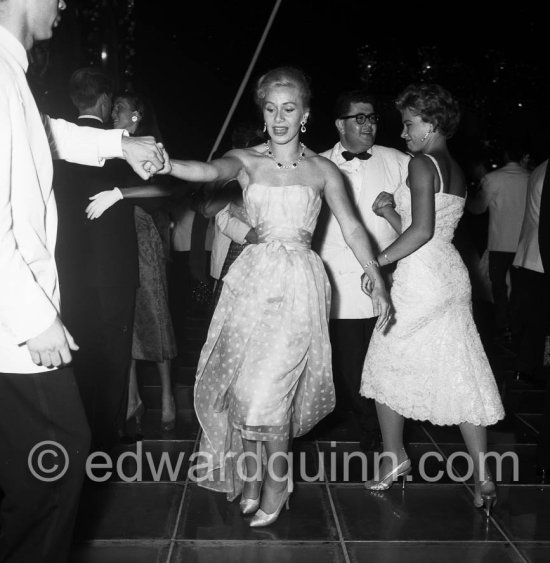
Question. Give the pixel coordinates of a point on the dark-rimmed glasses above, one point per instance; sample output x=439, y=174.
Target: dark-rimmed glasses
x=361, y=118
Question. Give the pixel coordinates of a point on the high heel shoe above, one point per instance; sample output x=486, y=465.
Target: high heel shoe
x=401, y=471
x=137, y=412
x=488, y=493
x=168, y=421
x=262, y=518
x=250, y=505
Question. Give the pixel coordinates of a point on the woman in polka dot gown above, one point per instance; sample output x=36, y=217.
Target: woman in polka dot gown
x=264, y=374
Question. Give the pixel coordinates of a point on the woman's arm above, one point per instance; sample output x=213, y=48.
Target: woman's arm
x=147, y=190
x=225, y=168
x=384, y=206
x=102, y=201
x=421, y=183
x=392, y=217
x=357, y=239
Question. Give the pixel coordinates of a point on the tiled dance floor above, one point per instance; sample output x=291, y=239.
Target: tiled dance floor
x=147, y=512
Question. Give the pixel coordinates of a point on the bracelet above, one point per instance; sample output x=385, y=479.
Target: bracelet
x=373, y=262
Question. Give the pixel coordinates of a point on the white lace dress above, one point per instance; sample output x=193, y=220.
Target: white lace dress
x=430, y=364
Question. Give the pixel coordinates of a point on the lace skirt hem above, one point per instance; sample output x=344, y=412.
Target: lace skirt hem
x=413, y=412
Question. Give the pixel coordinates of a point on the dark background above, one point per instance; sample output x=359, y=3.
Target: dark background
x=190, y=58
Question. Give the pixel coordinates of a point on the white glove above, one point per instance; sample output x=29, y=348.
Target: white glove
x=101, y=202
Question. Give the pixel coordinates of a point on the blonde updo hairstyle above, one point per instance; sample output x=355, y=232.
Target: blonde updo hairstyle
x=283, y=76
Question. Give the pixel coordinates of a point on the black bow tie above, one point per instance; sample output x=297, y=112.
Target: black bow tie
x=360, y=155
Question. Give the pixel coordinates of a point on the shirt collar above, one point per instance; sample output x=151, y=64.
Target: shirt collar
x=512, y=164
x=13, y=46
x=87, y=116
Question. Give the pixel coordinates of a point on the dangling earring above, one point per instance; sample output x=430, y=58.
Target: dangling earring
x=265, y=127
x=303, y=127
x=134, y=118
x=426, y=135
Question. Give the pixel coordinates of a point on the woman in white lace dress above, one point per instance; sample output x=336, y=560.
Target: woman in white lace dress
x=430, y=363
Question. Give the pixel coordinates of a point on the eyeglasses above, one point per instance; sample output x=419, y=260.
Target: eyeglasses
x=361, y=118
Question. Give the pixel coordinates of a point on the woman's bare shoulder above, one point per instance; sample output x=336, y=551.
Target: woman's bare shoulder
x=421, y=163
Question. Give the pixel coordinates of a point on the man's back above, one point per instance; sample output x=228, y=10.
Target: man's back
x=505, y=191
x=95, y=253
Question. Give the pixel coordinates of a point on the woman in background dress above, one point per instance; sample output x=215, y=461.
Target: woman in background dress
x=153, y=335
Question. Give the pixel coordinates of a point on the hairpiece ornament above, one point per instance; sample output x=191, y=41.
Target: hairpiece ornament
x=291, y=164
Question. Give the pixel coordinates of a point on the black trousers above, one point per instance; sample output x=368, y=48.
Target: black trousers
x=180, y=291
x=500, y=263
x=37, y=517
x=531, y=295
x=533, y=300
x=104, y=334
x=543, y=452
x=350, y=340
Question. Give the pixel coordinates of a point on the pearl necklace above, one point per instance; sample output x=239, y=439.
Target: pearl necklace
x=292, y=164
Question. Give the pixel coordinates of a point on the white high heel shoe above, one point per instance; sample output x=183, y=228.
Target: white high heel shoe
x=262, y=518
x=250, y=505
x=400, y=472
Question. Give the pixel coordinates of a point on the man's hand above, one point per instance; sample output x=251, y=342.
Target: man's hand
x=143, y=155
x=52, y=348
x=167, y=168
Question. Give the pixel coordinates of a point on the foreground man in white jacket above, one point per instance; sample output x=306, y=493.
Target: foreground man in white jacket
x=44, y=435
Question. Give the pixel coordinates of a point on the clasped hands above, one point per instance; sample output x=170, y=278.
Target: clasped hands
x=146, y=156
x=384, y=202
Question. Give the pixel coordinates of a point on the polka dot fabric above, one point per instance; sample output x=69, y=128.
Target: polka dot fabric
x=265, y=369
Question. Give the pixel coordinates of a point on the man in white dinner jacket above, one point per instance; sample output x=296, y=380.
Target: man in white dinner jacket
x=368, y=169
x=39, y=401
